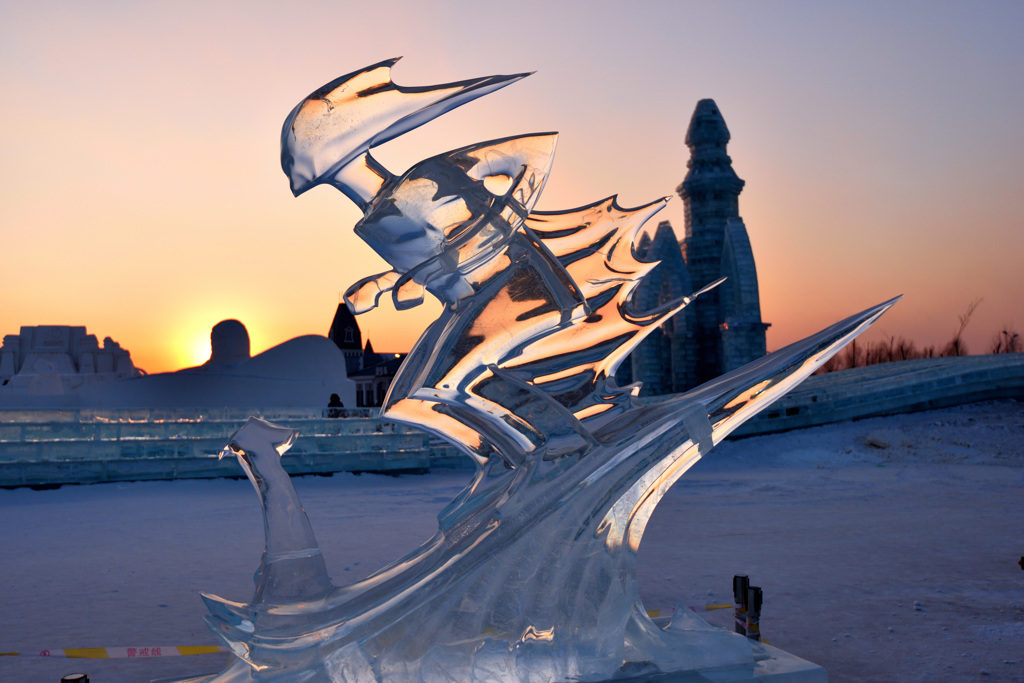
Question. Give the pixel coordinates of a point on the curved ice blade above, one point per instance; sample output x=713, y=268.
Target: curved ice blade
x=338, y=123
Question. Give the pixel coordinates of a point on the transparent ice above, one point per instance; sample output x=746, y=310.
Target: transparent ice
x=531, y=574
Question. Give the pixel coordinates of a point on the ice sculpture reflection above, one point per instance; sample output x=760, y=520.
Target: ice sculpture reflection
x=531, y=574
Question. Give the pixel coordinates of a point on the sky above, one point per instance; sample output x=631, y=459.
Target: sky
x=141, y=193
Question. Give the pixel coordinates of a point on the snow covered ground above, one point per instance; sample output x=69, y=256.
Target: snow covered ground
x=887, y=550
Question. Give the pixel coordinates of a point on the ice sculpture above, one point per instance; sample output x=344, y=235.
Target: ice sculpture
x=531, y=574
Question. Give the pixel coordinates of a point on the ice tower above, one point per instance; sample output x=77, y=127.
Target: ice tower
x=722, y=330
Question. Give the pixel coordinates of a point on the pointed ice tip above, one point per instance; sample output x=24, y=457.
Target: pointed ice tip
x=857, y=323
x=385, y=63
x=861, y=321
x=883, y=307
x=508, y=79
x=708, y=287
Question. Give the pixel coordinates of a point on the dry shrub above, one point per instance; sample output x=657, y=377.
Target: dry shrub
x=895, y=349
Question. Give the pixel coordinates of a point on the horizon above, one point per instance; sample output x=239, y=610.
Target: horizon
x=143, y=196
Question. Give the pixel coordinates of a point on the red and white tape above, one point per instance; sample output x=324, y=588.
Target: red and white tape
x=121, y=652
x=187, y=650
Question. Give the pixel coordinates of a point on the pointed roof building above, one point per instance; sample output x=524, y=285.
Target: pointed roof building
x=345, y=334
x=370, y=357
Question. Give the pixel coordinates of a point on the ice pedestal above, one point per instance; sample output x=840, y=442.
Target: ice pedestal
x=711, y=653
x=771, y=665
x=757, y=663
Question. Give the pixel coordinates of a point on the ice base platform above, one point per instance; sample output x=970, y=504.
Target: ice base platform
x=771, y=665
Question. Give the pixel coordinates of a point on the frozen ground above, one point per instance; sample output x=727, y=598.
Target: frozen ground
x=887, y=550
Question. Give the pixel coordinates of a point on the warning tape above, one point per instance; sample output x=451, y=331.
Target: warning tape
x=655, y=613
x=121, y=652
x=723, y=605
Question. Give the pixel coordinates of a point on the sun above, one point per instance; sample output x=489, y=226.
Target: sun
x=197, y=349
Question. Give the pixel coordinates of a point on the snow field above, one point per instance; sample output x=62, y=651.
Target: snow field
x=887, y=550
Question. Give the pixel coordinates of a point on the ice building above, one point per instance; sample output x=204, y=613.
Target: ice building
x=57, y=366
x=48, y=360
x=723, y=329
x=299, y=373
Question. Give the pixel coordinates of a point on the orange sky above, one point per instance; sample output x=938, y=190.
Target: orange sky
x=142, y=194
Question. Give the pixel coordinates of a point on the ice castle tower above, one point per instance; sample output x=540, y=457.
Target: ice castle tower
x=722, y=330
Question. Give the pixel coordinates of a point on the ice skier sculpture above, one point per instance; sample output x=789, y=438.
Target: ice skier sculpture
x=531, y=575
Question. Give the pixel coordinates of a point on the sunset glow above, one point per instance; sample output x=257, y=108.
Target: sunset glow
x=142, y=193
